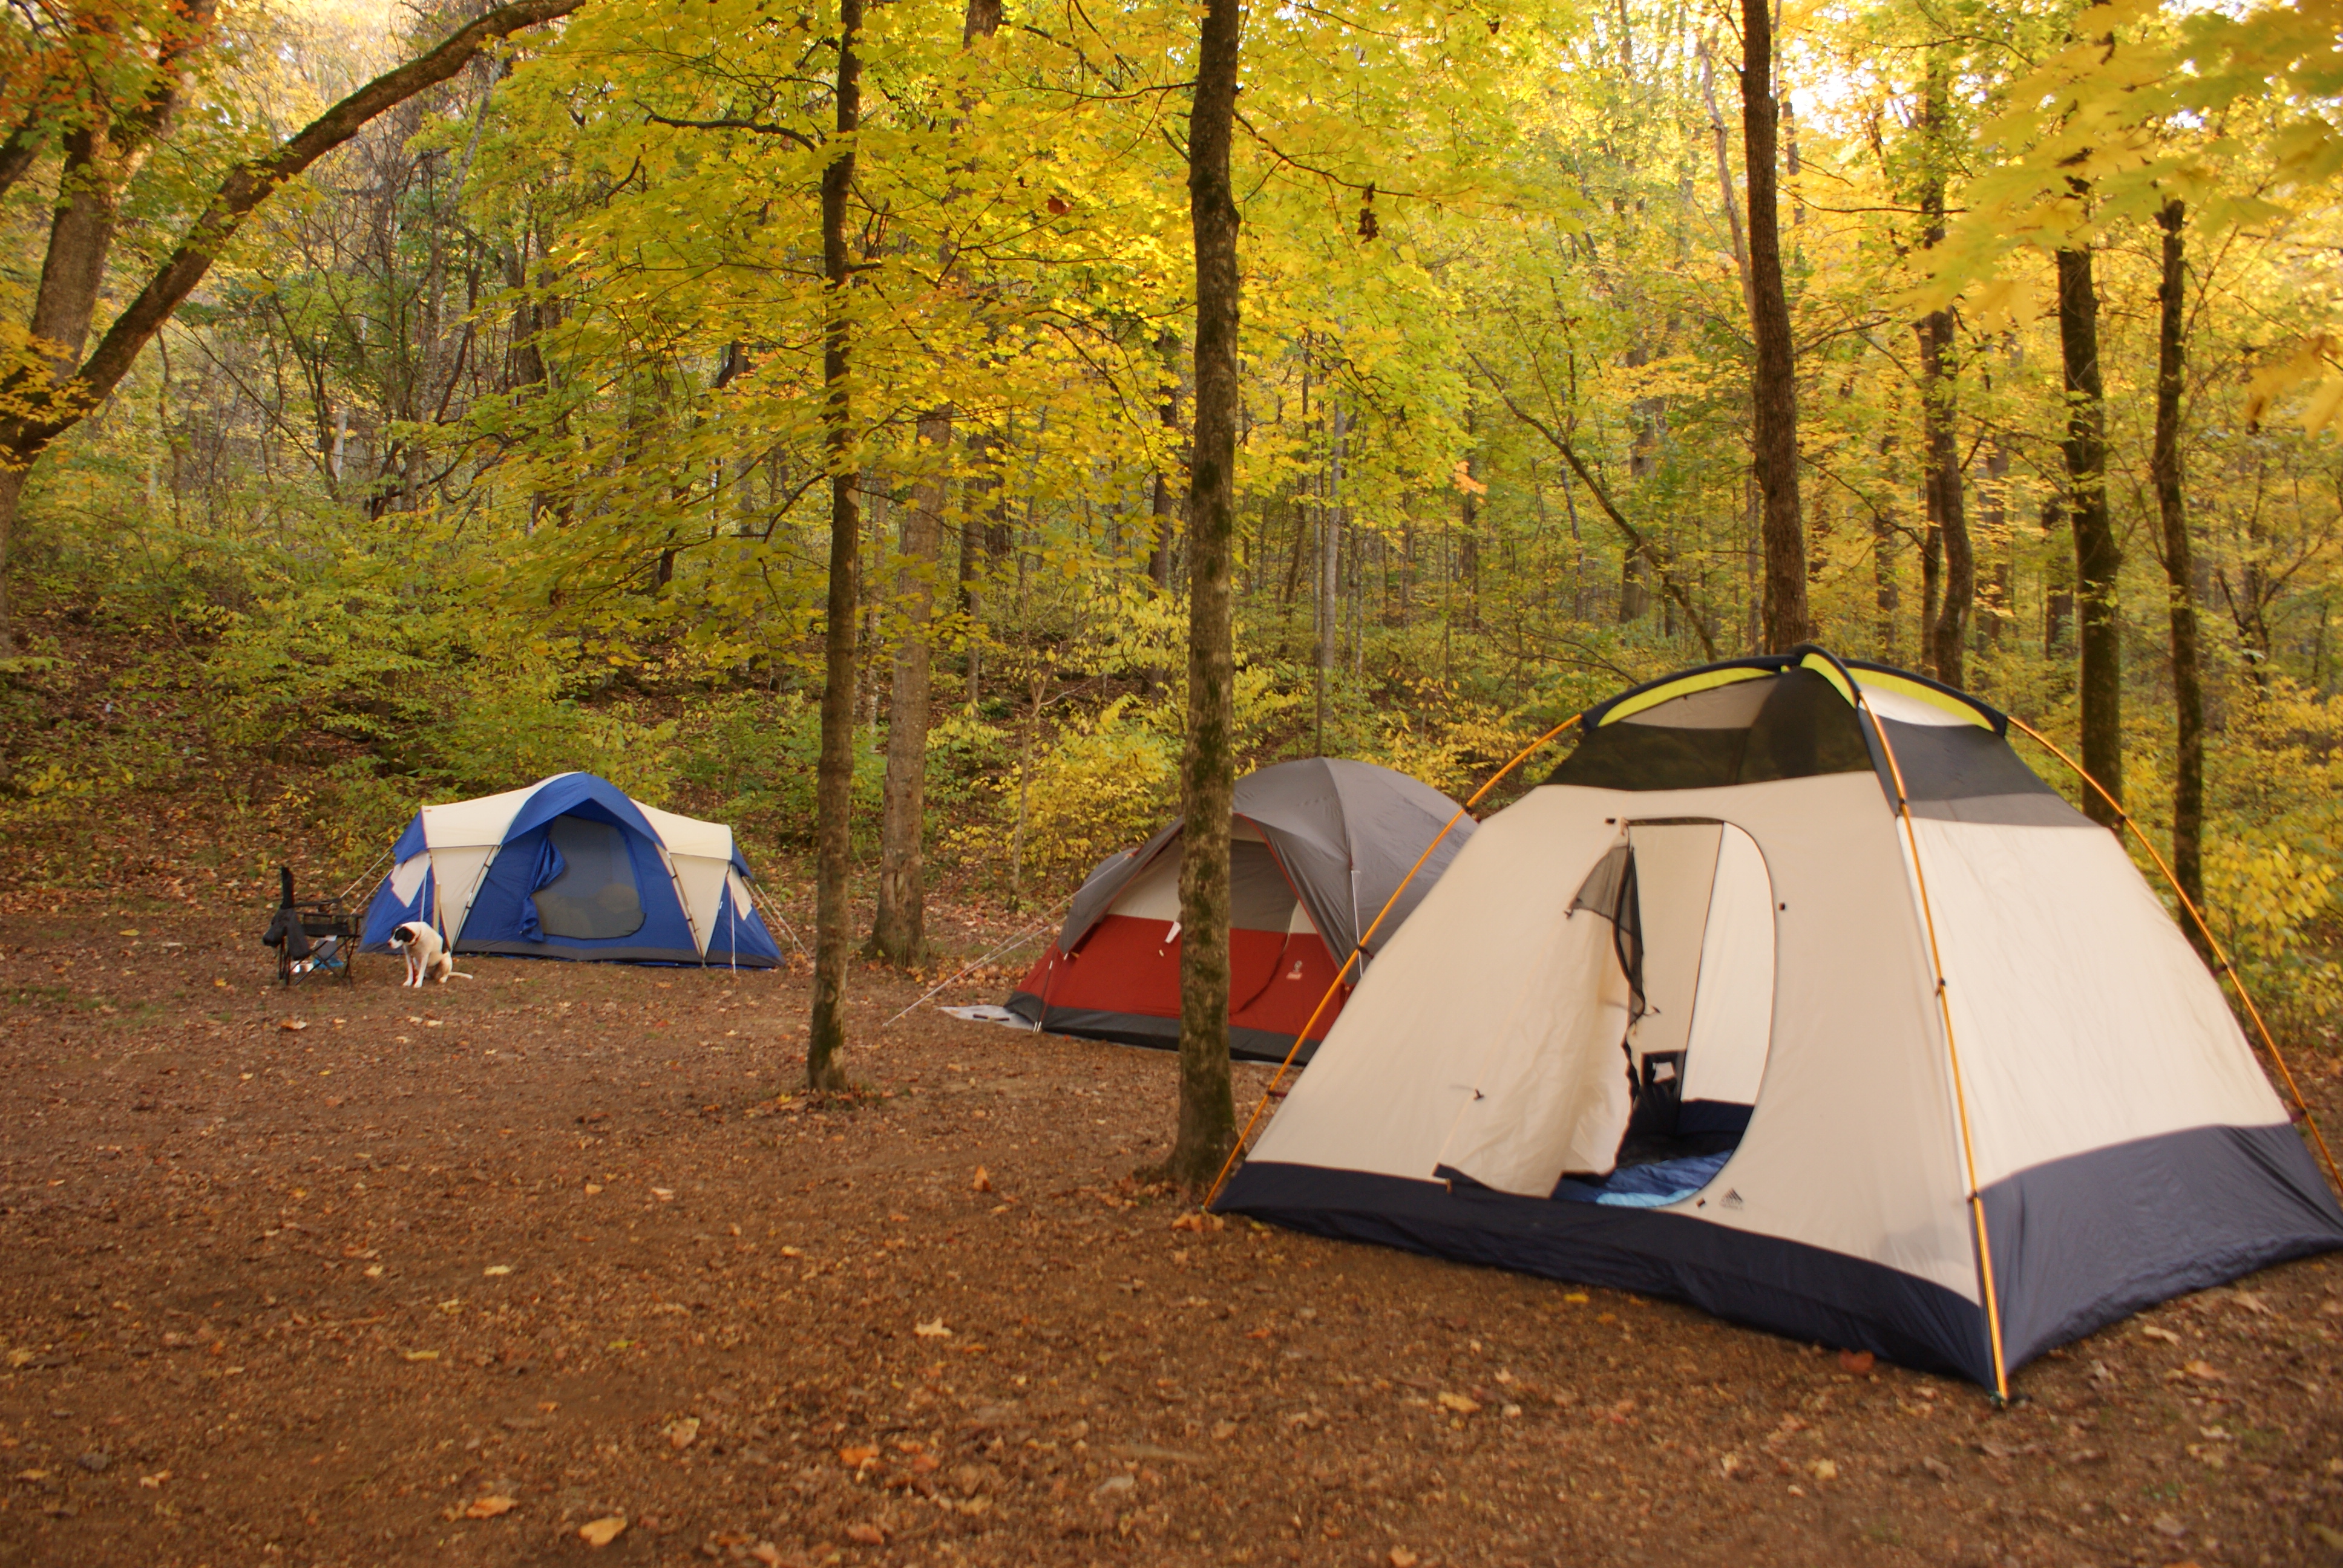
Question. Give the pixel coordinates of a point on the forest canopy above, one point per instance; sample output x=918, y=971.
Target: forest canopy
x=509, y=431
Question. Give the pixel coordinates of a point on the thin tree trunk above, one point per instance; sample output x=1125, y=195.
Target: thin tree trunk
x=2188, y=675
x=2098, y=557
x=1946, y=626
x=834, y=775
x=972, y=572
x=1168, y=493
x=899, y=931
x=1886, y=598
x=1330, y=562
x=1208, y=767
x=1774, y=388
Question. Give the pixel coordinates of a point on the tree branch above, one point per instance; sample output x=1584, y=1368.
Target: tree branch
x=1637, y=543
x=758, y=126
x=248, y=185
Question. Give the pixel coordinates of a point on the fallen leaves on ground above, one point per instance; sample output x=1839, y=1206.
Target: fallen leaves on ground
x=293, y=1025
x=933, y=1329
x=489, y=1507
x=865, y=1536
x=1856, y=1362
x=1459, y=1403
x=983, y=1183
x=601, y=1532
x=681, y=1433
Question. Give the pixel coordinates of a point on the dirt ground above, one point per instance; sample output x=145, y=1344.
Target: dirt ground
x=444, y=1277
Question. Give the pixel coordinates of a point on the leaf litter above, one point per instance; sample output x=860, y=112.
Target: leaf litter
x=809, y=1307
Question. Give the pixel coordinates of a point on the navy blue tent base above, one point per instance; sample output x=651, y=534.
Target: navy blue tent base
x=2078, y=1243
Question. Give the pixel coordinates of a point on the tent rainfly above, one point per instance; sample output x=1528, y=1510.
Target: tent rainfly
x=1706, y=1016
x=570, y=868
x=1319, y=845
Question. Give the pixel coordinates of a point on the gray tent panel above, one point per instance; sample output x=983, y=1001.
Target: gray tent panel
x=1347, y=834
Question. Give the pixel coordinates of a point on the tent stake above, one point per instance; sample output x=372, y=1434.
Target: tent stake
x=1953, y=1053
x=1238, y=1148
x=2212, y=943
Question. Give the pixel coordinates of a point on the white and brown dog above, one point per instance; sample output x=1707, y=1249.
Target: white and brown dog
x=426, y=953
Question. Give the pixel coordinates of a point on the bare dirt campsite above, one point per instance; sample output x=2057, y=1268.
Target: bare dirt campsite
x=365, y=1275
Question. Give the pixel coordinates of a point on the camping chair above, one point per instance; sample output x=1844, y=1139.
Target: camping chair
x=321, y=935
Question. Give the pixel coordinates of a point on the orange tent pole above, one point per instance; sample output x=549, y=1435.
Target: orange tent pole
x=2212, y=944
x=1953, y=1051
x=1238, y=1149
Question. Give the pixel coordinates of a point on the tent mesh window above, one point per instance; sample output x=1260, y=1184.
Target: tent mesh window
x=594, y=898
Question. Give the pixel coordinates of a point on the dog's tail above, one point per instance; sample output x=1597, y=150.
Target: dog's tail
x=459, y=974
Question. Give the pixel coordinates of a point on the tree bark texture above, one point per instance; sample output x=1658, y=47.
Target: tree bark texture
x=1947, y=629
x=2098, y=557
x=45, y=402
x=1171, y=489
x=1948, y=500
x=898, y=932
x=834, y=775
x=2172, y=512
x=1207, y=1127
x=1774, y=389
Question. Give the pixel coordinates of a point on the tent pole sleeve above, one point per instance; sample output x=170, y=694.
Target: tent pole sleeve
x=676, y=881
x=1953, y=1053
x=1236, y=1150
x=2212, y=945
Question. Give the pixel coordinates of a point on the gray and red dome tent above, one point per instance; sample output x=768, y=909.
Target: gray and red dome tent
x=1319, y=845
x=1793, y=993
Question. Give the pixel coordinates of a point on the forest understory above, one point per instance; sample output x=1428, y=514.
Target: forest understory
x=351, y=1275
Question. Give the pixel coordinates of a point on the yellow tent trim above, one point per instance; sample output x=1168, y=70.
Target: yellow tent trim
x=1875, y=681
x=1704, y=680
x=1829, y=670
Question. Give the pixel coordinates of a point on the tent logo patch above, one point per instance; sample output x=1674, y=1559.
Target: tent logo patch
x=1731, y=1199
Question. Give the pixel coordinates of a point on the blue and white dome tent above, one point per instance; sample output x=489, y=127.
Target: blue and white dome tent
x=570, y=868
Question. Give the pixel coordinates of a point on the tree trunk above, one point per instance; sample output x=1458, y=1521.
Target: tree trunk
x=1330, y=563
x=1168, y=491
x=2098, y=557
x=899, y=931
x=1774, y=388
x=1946, y=628
x=1884, y=596
x=1947, y=501
x=1208, y=766
x=2188, y=675
x=834, y=775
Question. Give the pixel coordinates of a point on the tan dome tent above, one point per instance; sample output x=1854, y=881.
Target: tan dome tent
x=1672, y=1023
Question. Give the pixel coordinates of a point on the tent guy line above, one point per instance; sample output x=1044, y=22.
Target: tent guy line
x=1026, y=935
